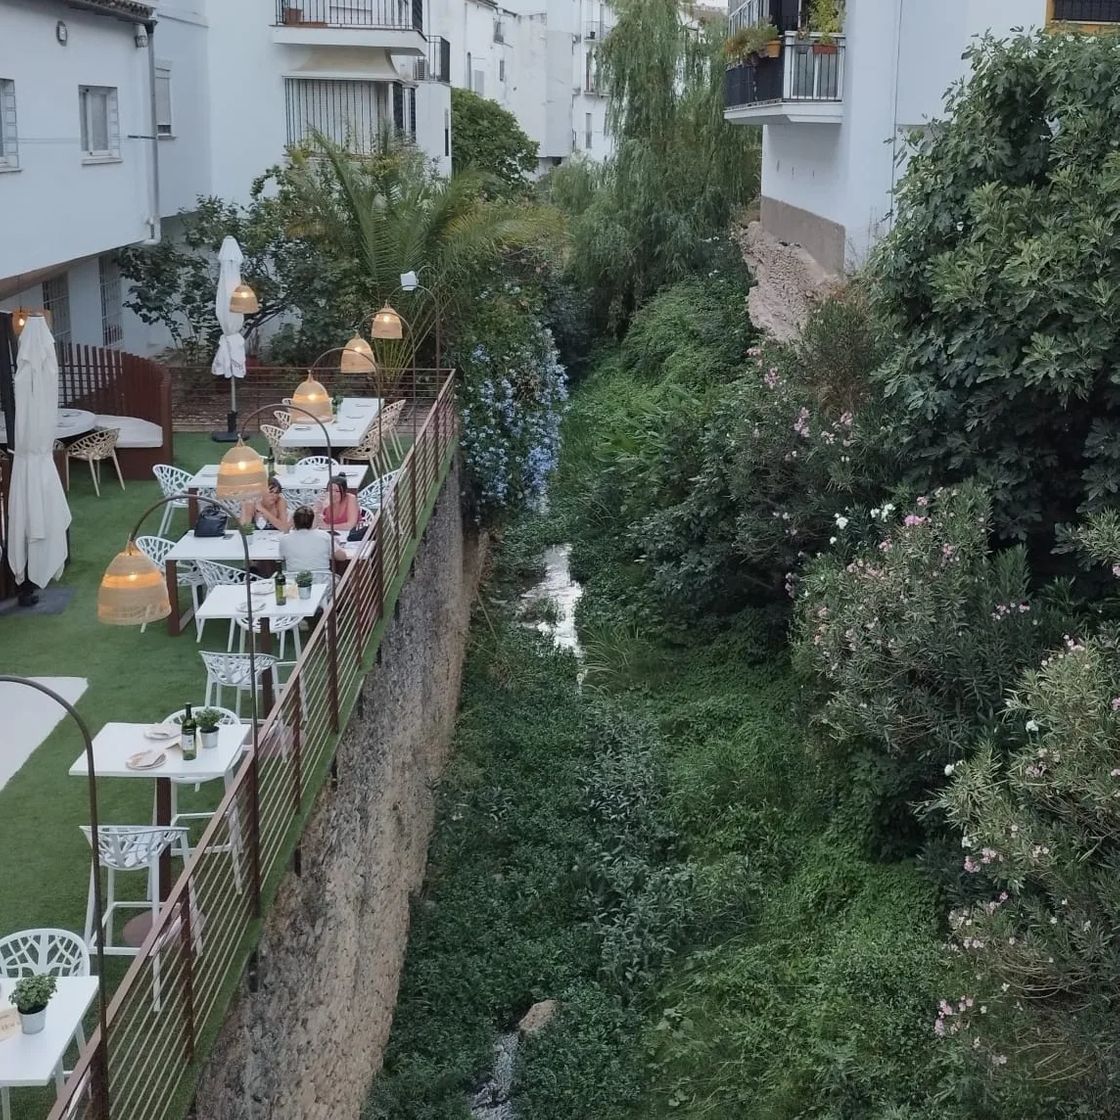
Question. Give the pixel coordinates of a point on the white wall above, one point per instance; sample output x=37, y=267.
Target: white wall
x=56, y=208
x=902, y=56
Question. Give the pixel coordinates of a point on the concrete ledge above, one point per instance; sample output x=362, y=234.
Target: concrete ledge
x=821, y=238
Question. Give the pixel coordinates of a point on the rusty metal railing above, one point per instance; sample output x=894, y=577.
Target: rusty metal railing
x=169, y=1006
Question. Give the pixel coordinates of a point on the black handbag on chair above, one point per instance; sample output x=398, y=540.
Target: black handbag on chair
x=211, y=522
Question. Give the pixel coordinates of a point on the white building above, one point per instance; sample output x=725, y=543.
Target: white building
x=535, y=58
x=835, y=116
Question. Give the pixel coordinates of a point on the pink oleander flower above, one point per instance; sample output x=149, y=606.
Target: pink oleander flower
x=912, y=520
x=923, y=501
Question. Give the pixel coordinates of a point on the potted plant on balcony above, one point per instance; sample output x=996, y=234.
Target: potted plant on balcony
x=303, y=584
x=748, y=44
x=826, y=21
x=292, y=15
x=31, y=996
x=208, y=720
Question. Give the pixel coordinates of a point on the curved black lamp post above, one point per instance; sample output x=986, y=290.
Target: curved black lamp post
x=101, y=1063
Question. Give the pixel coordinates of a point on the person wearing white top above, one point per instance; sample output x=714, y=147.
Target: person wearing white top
x=304, y=549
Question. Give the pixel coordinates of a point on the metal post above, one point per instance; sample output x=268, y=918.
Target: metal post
x=187, y=945
x=100, y=1067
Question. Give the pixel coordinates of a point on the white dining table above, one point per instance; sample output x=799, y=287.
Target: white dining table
x=71, y=422
x=228, y=601
x=116, y=743
x=290, y=476
x=346, y=429
x=28, y=1060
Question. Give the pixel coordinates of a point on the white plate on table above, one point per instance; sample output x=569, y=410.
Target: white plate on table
x=146, y=760
x=161, y=731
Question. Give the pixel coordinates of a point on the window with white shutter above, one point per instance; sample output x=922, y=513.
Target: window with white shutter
x=101, y=127
x=163, y=100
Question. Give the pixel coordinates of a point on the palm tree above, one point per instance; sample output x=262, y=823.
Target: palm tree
x=387, y=213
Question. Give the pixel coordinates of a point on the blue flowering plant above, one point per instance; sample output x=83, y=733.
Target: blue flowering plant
x=512, y=393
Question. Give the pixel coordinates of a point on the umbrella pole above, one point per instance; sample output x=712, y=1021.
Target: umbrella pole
x=231, y=432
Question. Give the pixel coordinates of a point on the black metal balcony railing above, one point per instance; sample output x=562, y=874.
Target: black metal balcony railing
x=435, y=66
x=596, y=29
x=1087, y=11
x=785, y=15
x=395, y=15
x=806, y=70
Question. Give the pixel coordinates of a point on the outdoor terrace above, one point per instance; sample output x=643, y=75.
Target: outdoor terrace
x=155, y=1046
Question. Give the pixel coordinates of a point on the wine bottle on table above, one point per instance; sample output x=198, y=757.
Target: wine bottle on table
x=188, y=735
x=280, y=586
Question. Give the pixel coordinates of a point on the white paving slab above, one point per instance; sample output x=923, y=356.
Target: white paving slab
x=28, y=717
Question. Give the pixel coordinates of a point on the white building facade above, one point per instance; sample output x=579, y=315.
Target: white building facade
x=835, y=110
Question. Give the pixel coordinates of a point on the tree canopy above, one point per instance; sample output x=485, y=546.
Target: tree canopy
x=1000, y=280
x=488, y=139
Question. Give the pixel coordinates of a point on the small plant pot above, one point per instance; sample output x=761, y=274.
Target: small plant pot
x=209, y=739
x=774, y=48
x=802, y=47
x=33, y=1023
x=824, y=48
x=305, y=592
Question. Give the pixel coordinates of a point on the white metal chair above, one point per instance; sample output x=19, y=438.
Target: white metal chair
x=231, y=670
x=37, y=952
x=297, y=496
x=279, y=626
x=368, y=451
x=317, y=462
x=94, y=449
x=375, y=494
x=274, y=434
x=186, y=572
x=172, y=480
x=123, y=848
x=283, y=418
x=219, y=575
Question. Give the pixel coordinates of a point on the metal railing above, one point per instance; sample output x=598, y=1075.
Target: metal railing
x=808, y=70
x=397, y=15
x=169, y=1007
x=1086, y=11
x=435, y=66
x=596, y=29
x=785, y=15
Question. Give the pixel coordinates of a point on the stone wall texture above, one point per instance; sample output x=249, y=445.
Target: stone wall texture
x=308, y=1042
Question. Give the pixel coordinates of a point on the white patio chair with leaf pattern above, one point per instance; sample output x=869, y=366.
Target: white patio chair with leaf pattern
x=186, y=573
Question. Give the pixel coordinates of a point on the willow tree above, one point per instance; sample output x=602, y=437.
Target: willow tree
x=679, y=171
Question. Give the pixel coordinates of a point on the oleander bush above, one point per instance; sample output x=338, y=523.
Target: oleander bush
x=915, y=635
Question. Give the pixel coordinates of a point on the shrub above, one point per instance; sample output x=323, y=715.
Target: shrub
x=999, y=277
x=915, y=638
x=489, y=139
x=1038, y=806
x=511, y=397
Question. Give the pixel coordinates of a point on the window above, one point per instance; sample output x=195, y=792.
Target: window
x=587, y=130
x=111, y=332
x=350, y=113
x=447, y=132
x=589, y=72
x=101, y=133
x=163, y=100
x=9, y=146
x=479, y=85
x=501, y=69
x=56, y=300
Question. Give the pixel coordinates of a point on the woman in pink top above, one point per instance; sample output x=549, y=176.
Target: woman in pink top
x=340, y=511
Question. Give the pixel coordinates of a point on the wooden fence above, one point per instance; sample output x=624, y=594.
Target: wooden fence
x=170, y=1005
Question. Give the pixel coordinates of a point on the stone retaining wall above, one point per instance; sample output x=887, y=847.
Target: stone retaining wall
x=307, y=1044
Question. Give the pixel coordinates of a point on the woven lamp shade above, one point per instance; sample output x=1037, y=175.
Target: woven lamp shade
x=241, y=474
x=244, y=301
x=133, y=590
x=312, y=397
x=357, y=357
x=386, y=324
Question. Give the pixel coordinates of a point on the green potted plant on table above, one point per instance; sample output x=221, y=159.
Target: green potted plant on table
x=303, y=583
x=208, y=720
x=748, y=44
x=31, y=996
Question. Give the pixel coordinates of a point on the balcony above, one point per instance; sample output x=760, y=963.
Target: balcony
x=803, y=85
x=596, y=29
x=395, y=25
x=435, y=66
x=1099, y=13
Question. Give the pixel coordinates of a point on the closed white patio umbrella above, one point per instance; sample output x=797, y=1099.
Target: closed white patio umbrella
x=38, y=514
x=229, y=361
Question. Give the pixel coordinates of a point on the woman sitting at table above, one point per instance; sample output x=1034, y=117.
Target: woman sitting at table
x=269, y=511
x=305, y=548
x=339, y=512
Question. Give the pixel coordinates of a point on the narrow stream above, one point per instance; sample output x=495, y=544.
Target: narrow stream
x=558, y=589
